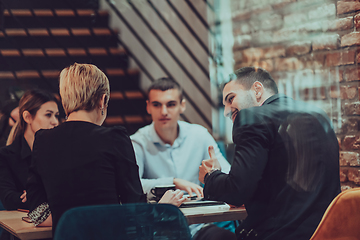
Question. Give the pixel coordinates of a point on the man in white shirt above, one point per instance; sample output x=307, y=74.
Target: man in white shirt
x=169, y=151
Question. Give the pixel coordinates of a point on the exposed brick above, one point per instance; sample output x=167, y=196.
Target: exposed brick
x=298, y=48
x=346, y=6
x=334, y=92
x=241, y=28
x=350, y=39
x=274, y=51
x=238, y=56
x=347, y=92
x=352, y=73
x=337, y=74
x=339, y=141
x=349, y=159
x=295, y=18
x=262, y=37
x=313, y=26
x=340, y=58
x=351, y=142
x=242, y=41
x=282, y=3
x=252, y=54
x=352, y=108
x=323, y=11
x=343, y=175
x=326, y=42
x=288, y=64
x=241, y=15
x=340, y=24
x=353, y=175
x=358, y=58
x=287, y=34
x=350, y=125
x=357, y=21
x=313, y=60
x=267, y=64
x=347, y=185
x=271, y=22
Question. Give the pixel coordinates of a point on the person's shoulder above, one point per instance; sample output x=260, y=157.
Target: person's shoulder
x=191, y=126
x=141, y=134
x=194, y=130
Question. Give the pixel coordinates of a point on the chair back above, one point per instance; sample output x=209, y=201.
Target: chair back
x=139, y=221
x=341, y=220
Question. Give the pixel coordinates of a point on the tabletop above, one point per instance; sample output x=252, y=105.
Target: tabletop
x=12, y=221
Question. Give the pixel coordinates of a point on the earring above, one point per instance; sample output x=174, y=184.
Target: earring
x=102, y=111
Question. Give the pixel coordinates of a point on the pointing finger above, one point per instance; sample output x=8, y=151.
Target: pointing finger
x=211, y=152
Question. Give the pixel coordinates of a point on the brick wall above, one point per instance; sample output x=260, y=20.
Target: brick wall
x=311, y=48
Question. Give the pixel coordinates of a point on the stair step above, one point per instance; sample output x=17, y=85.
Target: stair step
x=119, y=80
x=131, y=122
x=58, y=38
x=56, y=52
x=56, y=32
x=58, y=58
x=55, y=18
x=48, y=4
x=116, y=95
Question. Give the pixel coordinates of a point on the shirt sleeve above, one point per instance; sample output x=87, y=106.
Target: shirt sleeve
x=148, y=184
x=10, y=195
x=252, y=139
x=35, y=190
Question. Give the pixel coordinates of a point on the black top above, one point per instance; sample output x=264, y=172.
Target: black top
x=285, y=169
x=15, y=160
x=80, y=163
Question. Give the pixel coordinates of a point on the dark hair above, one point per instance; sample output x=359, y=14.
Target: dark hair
x=246, y=76
x=31, y=101
x=164, y=84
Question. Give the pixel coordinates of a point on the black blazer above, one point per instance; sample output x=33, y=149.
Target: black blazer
x=285, y=169
x=15, y=160
x=80, y=163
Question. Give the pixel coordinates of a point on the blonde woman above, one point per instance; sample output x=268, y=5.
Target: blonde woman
x=90, y=164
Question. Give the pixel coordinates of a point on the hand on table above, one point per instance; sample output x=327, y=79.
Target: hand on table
x=208, y=165
x=173, y=197
x=189, y=187
x=23, y=197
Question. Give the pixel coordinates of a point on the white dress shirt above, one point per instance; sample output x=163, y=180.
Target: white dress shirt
x=159, y=163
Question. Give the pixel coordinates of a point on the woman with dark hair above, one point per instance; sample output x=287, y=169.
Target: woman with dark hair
x=37, y=110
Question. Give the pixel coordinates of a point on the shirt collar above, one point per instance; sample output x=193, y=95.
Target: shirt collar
x=273, y=98
x=156, y=139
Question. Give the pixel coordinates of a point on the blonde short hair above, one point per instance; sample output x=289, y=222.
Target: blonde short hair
x=82, y=86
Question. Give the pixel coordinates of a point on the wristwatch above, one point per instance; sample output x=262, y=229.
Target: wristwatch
x=210, y=172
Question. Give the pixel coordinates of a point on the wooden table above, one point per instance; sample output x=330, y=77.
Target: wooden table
x=12, y=221
x=208, y=214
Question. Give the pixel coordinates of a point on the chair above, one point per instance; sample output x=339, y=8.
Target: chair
x=341, y=220
x=129, y=221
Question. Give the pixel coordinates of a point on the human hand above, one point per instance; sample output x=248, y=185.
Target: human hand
x=23, y=197
x=173, y=197
x=189, y=187
x=209, y=164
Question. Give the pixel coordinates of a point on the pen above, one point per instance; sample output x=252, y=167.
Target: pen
x=23, y=210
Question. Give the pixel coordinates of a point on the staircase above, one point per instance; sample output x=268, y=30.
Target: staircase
x=41, y=37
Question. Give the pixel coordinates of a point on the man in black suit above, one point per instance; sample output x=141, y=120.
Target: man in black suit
x=286, y=164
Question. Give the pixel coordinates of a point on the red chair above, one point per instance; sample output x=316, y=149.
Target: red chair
x=341, y=220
